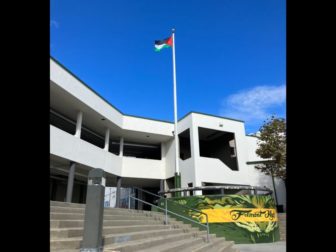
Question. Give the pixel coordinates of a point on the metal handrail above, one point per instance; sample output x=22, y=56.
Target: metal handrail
x=190, y=208
x=186, y=207
x=197, y=188
x=166, y=215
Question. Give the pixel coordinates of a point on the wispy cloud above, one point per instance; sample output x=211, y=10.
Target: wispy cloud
x=54, y=23
x=254, y=105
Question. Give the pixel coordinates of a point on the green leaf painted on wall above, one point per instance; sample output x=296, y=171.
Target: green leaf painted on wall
x=240, y=232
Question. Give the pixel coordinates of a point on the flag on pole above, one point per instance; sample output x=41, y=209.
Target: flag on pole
x=159, y=45
x=165, y=43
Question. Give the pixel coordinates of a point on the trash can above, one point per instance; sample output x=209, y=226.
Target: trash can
x=280, y=208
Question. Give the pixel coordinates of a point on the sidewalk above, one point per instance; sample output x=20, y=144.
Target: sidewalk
x=262, y=247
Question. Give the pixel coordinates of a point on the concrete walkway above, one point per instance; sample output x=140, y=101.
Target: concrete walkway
x=262, y=247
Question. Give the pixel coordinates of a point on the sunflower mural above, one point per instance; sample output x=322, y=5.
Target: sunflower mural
x=241, y=218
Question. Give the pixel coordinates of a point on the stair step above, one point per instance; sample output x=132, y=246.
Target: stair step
x=66, y=204
x=63, y=250
x=74, y=242
x=144, y=234
x=145, y=244
x=225, y=246
x=107, y=216
x=222, y=246
x=232, y=250
x=65, y=243
x=78, y=232
x=129, y=230
x=60, y=233
x=122, y=211
x=175, y=246
x=214, y=243
x=62, y=209
x=80, y=223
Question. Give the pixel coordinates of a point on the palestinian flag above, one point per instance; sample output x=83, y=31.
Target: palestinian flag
x=165, y=43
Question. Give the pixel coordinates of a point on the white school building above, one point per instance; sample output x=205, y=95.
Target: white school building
x=87, y=132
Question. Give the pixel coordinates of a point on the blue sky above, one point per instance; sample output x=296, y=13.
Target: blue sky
x=230, y=55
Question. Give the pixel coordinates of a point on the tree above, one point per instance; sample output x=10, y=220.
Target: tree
x=272, y=148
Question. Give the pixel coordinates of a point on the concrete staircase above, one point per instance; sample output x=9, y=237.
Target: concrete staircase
x=127, y=230
x=282, y=226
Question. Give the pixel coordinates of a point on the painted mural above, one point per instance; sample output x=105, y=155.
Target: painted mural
x=241, y=218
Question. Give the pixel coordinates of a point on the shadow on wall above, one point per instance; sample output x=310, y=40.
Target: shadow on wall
x=266, y=180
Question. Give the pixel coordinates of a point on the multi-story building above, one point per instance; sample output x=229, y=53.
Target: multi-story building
x=87, y=132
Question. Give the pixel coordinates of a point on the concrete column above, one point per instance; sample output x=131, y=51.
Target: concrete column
x=140, y=204
x=70, y=182
x=107, y=139
x=121, y=150
x=199, y=192
x=163, y=152
x=166, y=186
x=222, y=191
x=195, y=155
x=118, y=192
x=94, y=212
x=79, y=124
x=110, y=196
x=162, y=185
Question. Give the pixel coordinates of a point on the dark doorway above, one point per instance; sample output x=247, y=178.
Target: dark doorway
x=220, y=145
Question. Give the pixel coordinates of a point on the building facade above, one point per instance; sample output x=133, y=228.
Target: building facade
x=88, y=132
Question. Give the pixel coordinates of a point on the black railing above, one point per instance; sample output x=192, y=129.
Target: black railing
x=254, y=189
x=185, y=218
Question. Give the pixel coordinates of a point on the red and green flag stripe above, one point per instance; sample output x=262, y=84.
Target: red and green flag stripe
x=165, y=43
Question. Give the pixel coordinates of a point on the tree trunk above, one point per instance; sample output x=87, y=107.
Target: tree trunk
x=275, y=195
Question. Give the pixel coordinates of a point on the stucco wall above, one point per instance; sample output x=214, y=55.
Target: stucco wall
x=169, y=156
x=211, y=169
x=257, y=178
x=77, y=89
x=142, y=168
x=67, y=146
x=68, y=82
x=251, y=145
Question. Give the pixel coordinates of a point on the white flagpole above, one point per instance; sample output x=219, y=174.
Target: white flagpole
x=177, y=170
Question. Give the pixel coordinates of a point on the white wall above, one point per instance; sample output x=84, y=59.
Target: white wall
x=67, y=146
x=187, y=172
x=142, y=168
x=76, y=88
x=169, y=158
x=213, y=170
x=68, y=82
x=187, y=166
x=145, y=125
x=257, y=178
x=252, y=145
